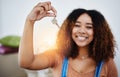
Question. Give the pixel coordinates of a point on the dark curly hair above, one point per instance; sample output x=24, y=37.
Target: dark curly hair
x=102, y=46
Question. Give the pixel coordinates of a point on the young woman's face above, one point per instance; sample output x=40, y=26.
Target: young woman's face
x=82, y=32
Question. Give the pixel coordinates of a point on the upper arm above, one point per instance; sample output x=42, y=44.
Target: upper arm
x=112, y=69
x=44, y=60
x=109, y=69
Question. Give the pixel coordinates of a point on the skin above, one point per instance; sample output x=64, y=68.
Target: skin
x=82, y=32
x=32, y=61
x=82, y=35
x=83, y=28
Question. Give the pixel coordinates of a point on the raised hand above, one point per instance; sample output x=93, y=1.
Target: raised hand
x=44, y=9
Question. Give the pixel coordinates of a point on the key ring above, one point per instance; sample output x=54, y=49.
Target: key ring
x=54, y=21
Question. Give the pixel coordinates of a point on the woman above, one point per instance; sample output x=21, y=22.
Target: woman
x=85, y=45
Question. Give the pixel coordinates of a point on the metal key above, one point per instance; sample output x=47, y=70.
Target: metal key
x=54, y=21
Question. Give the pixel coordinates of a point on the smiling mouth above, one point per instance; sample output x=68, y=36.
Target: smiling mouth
x=81, y=38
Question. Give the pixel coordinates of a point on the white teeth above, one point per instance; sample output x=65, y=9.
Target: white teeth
x=81, y=38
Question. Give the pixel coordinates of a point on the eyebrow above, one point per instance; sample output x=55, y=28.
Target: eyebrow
x=86, y=23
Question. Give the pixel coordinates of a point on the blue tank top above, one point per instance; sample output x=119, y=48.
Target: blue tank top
x=65, y=68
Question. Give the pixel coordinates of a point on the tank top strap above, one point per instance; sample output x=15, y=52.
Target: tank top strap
x=98, y=69
x=64, y=68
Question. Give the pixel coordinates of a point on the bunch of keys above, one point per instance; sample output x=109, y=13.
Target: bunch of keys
x=54, y=21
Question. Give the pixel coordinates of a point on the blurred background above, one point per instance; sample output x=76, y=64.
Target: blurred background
x=13, y=15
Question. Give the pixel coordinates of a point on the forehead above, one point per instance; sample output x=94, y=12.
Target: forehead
x=84, y=18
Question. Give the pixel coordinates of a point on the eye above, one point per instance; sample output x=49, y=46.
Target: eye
x=89, y=27
x=77, y=25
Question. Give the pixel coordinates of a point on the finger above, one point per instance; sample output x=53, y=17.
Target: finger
x=41, y=4
x=39, y=9
x=49, y=5
x=45, y=5
x=54, y=10
x=49, y=14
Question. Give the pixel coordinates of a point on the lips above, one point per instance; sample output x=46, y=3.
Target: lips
x=81, y=38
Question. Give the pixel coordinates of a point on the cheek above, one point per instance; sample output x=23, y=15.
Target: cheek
x=91, y=34
x=74, y=30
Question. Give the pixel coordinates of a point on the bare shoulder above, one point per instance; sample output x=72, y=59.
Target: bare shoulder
x=109, y=68
x=110, y=62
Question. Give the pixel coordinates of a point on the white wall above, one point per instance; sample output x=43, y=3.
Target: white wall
x=14, y=12
x=0, y=18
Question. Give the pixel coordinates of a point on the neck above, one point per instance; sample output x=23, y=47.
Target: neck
x=83, y=53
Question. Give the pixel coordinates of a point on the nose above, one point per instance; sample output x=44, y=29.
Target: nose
x=82, y=30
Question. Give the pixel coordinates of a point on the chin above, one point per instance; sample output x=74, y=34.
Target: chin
x=82, y=45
